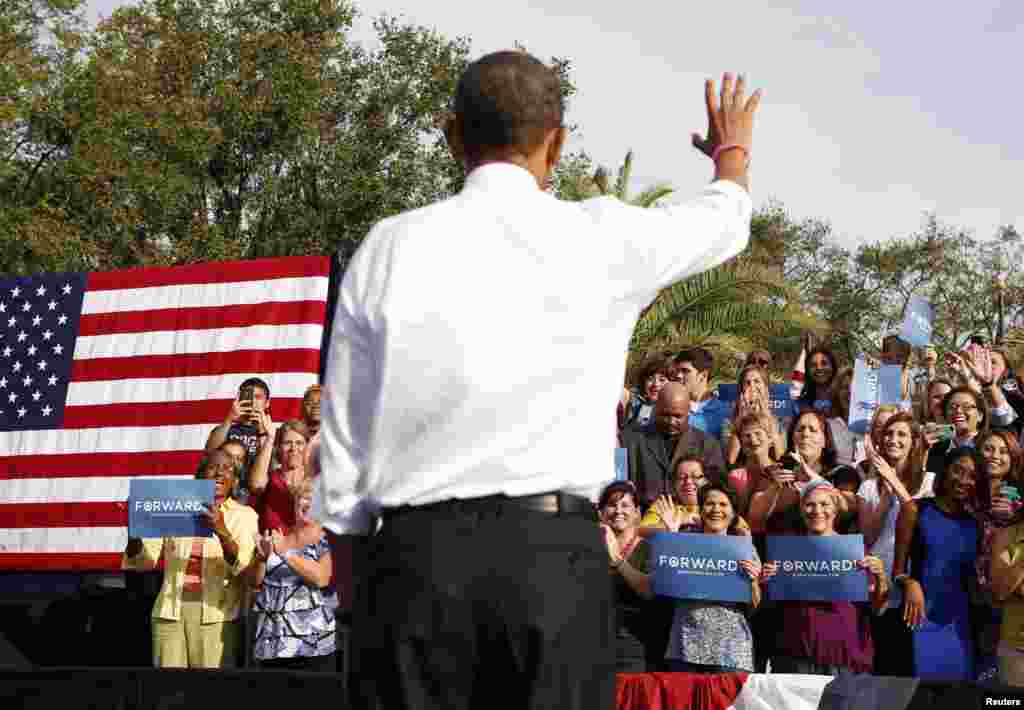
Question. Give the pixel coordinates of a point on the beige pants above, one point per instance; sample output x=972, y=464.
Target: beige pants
x=189, y=643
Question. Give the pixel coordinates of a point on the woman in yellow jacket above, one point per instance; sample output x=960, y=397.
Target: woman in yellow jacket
x=197, y=615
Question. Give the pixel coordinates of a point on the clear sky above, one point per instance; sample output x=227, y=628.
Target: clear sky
x=874, y=112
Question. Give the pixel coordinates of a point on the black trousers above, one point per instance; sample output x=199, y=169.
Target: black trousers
x=470, y=608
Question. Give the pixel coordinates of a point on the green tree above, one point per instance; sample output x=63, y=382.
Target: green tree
x=189, y=130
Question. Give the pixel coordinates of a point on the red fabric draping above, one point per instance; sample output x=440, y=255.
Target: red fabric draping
x=671, y=691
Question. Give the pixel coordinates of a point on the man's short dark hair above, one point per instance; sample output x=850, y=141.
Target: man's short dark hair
x=507, y=99
x=255, y=382
x=699, y=357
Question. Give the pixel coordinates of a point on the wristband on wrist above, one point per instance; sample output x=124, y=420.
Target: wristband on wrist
x=727, y=147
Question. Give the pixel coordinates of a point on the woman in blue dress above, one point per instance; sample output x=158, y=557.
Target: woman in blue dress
x=295, y=627
x=938, y=539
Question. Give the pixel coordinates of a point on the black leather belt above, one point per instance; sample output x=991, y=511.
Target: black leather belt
x=551, y=503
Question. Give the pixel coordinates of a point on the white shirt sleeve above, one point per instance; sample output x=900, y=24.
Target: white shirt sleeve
x=664, y=244
x=349, y=395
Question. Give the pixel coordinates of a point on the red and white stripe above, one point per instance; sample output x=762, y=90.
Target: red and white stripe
x=157, y=363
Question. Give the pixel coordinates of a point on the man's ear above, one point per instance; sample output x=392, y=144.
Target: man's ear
x=452, y=128
x=556, y=141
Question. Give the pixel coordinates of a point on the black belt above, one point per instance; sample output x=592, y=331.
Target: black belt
x=551, y=503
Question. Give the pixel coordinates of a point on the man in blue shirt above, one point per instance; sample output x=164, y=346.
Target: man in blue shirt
x=707, y=411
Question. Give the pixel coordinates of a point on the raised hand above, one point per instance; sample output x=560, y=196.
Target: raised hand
x=730, y=116
x=669, y=513
x=612, y=544
x=768, y=570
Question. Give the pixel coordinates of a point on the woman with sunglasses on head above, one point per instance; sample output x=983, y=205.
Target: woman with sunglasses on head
x=940, y=537
x=897, y=477
x=712, y=636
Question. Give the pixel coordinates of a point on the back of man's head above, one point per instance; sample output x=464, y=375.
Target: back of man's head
x=507, y=101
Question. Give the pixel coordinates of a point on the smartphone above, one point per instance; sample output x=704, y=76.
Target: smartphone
x=1010, y=493
x=789, y=462
x=245, y=396
x=944, y=431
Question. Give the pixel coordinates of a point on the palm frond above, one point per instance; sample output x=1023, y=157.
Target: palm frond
x=651, y=195
x=622, y=180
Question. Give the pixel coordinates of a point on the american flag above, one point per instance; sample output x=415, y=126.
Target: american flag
x=109, y=376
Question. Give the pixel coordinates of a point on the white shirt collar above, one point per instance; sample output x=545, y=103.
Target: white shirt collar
x=501, y=176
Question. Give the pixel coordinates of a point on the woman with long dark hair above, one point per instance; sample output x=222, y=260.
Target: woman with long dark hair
x=821, y=369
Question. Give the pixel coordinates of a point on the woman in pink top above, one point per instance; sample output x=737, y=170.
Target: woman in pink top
x=756, y=433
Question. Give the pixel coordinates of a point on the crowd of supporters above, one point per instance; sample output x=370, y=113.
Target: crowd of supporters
x=933, y=486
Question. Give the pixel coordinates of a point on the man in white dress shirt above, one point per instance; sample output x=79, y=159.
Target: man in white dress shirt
x=476, y=358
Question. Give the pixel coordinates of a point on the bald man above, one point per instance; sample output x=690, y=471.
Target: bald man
x=665, y=438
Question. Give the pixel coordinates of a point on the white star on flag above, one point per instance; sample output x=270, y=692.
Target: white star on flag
x=53, y=380
x=12, y=398
x=15, y=292
x=27, y=381
x=17, y=366
x=52, y=305
x=26, y=306
x=36, y=395
x=11, y=322
x=3, y=383
x=66, y=289
x=42, y=365
x=58, y=349
x=62, y=320
x=32, y=350
x=41, y=291
x=22, y=412
x=22, y=336
x=46, y=410
x=3, y=307
x=37, y=320
x=7, y=351
x=47, y=335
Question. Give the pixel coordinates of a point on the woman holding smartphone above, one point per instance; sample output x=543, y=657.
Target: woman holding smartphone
x=995, y=503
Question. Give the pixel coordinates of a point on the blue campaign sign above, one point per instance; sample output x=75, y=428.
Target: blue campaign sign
x=168, y=507
x=863, y=397
x=817, y=568
x=698, y=566
x=621, y=465
x=890, y=384
x=779, y=400
x=917, y=323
